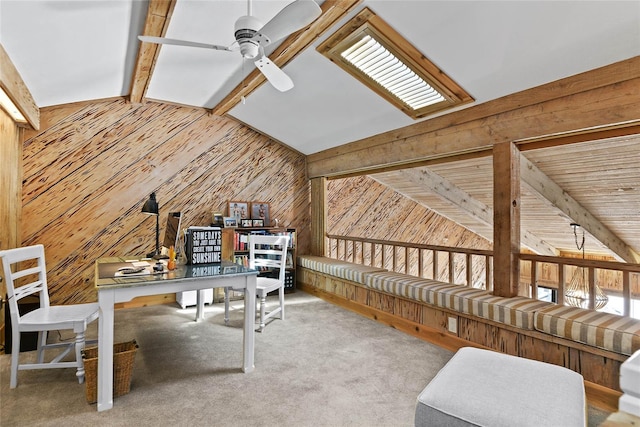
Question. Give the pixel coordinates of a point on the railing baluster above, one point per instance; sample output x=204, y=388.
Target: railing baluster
x=534, y=280
x=420, y=262
x=384, y=256
x=373, y=254
x=451, y=267
x=561, y=283
x=394, y=257
x=407, y=269
x=592, y=288
x=435, y=265
x=626, y=294
x=488, y=273
x=469, y=270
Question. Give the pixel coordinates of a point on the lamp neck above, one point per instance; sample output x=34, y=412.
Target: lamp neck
x=158, y=234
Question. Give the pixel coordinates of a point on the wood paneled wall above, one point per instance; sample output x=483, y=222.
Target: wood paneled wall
x=92, y=165
x=10, y=189
x=362, y=207
x=10, y=183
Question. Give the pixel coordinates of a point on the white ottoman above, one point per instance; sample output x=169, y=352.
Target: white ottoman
x=630, y=385
x=485, y=388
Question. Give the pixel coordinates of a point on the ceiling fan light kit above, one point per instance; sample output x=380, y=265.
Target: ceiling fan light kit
x=252, y=37
x=245, y=28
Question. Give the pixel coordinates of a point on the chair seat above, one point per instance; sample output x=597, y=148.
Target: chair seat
x=267, y=284
x=55, y=317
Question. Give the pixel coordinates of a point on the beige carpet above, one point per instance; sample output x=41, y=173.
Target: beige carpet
x=322, y=366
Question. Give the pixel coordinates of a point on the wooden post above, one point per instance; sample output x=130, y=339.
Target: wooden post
x=506, y=219
x=318, y=216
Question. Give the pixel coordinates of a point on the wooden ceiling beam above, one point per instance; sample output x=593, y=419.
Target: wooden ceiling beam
x=332, y=12
x=597, y=98
x=17, y=90
x=156, y=24
x=556, y=198
x=465, y=203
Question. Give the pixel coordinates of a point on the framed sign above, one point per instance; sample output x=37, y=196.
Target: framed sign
x=203, y=245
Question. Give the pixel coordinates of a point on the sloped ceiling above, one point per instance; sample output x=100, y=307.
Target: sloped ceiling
x=70, y=51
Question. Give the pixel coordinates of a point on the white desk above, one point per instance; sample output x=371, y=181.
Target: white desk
x=112, y=290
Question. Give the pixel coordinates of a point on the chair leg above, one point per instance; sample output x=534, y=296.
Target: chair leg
x=263, y=304
x=79, y=361
x=15, y=357
x=281, y=296
x=226, y=306
x=42, y=342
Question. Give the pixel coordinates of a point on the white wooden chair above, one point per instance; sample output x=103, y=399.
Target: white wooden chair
x=28, y=277
x=266, y=253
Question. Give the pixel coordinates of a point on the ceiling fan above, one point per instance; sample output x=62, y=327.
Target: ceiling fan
x=252, y=37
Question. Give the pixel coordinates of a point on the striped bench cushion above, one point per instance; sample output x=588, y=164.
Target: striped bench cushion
x=342, y=269
x=404, y=285
x=515, y=311
x=518, y=311
x=459, y=298
x=603, y=330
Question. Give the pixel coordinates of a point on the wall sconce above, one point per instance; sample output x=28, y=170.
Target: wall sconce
x=151, y=207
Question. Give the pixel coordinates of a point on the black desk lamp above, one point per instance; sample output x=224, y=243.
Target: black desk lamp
x=150, y=207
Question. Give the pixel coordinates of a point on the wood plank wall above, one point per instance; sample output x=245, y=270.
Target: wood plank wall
x=10, y=189
x=362, y=207
x=92, y=165
x=10, y=183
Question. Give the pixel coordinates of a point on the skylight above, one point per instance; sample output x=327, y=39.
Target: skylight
x=379, y=57
x=384, y=68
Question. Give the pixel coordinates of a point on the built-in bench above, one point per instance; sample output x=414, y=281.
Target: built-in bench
x=591, y=343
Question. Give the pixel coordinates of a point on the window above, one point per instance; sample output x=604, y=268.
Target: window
x=371, y=51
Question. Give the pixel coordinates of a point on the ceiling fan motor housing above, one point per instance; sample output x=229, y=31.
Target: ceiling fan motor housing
x=245, y=28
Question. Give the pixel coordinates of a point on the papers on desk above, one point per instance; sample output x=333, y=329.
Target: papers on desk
x=138, y=268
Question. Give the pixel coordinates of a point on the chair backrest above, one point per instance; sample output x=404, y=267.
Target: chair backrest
x=268, y=252
x=25, y=274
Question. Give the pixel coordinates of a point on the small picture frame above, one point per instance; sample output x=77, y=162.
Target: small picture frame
x=218, y=220
x=238, y=210
x=260, y=210
x=246, y=223
x=257, y=223
x=230, y=222
x=230, y=269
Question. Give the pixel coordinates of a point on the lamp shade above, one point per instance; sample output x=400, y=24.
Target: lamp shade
x=151, y=206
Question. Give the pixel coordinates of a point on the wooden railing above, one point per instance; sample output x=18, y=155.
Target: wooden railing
x=474, y=267
x=469, y=267
x=614, y=278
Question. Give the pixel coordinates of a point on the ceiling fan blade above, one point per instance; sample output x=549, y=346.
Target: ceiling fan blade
x=292, y=18
x=278, y=78
x=162, y=40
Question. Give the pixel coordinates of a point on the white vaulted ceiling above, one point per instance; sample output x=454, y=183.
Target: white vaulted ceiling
x=78, y=50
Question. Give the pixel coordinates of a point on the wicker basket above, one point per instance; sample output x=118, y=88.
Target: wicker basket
x=123, y=357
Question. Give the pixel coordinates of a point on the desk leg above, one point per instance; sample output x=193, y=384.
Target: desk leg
x=106, y=300
x=249, y=323
x=199, y=305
